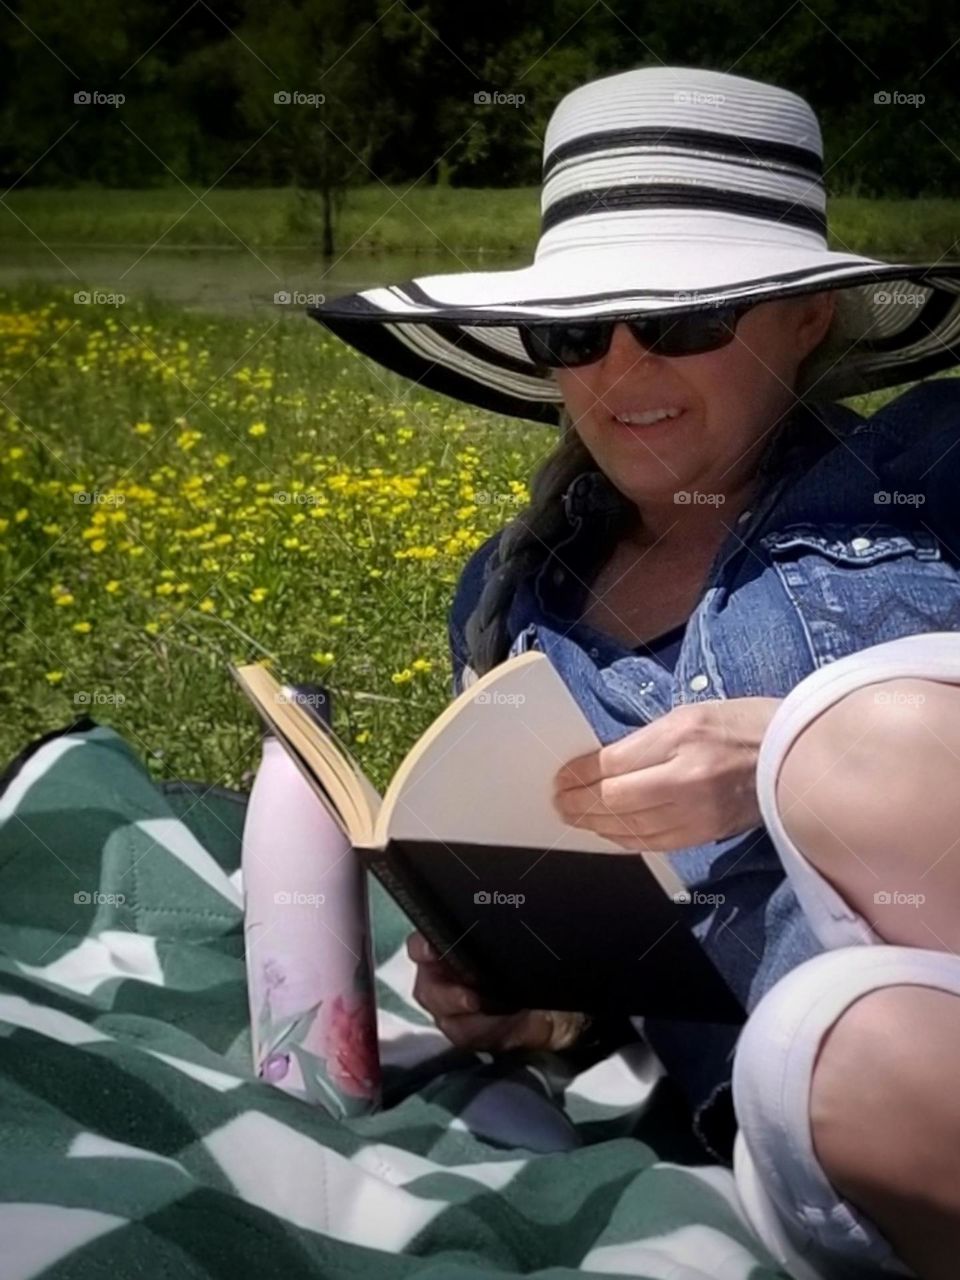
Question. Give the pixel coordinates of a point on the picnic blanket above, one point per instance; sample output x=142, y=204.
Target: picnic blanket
x=135, y=1140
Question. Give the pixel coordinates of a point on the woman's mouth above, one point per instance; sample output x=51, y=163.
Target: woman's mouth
x=647, y=417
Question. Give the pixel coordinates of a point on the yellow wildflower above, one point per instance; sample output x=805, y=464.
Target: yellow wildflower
x=83, y=628
x=257, y=429
x=258, y=595
x=54, y=677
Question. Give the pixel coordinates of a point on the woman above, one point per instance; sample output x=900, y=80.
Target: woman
x=751, y=590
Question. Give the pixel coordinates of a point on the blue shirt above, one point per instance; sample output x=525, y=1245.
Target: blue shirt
x=843, y=550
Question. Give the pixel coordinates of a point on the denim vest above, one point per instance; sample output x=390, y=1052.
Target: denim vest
x=853, y=547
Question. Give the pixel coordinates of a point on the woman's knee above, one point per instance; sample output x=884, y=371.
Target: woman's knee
x=858, y=762
x=883, y=1113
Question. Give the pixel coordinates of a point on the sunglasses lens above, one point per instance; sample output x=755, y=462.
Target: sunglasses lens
x=690, y=335
x=564, y=346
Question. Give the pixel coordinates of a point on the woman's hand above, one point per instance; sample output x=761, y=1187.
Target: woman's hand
x=456, y=1009
x=686, y=778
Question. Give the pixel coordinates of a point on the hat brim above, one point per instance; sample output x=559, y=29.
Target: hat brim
x=457, y=333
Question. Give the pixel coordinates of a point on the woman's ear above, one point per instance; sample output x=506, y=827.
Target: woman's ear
x=815, y=316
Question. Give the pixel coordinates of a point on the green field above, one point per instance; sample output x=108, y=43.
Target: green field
x=181, y=489
x=143, y=543
x=396, y=219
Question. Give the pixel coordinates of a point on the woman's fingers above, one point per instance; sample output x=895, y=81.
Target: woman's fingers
x=529, y=1029
x=419, y=949
x=440, y=993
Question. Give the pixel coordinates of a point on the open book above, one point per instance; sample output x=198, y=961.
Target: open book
x=531, y=911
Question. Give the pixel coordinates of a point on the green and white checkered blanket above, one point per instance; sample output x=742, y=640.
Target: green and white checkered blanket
x=135, y=1140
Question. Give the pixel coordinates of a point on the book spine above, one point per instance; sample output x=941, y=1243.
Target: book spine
x=387, y=867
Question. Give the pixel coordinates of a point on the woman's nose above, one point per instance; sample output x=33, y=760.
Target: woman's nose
x=624, y=350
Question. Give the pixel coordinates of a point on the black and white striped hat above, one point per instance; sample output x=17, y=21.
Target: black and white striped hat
x=665, y=189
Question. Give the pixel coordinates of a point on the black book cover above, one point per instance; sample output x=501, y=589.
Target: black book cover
x=560, y=929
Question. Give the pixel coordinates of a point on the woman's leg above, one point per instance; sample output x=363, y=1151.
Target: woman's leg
x=847, y=1158
x=869, y=793
x=885, y=1119
x=845, y=1076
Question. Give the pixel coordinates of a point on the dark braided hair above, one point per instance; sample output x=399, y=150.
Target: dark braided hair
x=529, y=538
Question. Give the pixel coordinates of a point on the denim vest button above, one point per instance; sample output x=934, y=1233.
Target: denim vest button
x=860, y=544
x=594, y=653
x=699, y=682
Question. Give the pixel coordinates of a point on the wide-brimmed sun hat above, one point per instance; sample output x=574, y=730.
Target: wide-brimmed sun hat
x=665, y=190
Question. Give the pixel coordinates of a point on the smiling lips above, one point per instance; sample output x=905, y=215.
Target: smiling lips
x=645, y=417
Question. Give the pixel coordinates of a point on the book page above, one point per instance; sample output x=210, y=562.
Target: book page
x=348, y=792
x=483, y=772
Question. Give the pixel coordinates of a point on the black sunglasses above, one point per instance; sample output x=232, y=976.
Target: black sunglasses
x=560, y=344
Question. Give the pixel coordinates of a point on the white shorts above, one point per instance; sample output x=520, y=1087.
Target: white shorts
x=786, y=1197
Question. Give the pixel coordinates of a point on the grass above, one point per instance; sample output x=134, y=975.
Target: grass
x=397, y=219
x=180, y=491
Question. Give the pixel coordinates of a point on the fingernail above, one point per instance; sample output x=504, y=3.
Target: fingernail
x=469, y=1003
x=429, y=951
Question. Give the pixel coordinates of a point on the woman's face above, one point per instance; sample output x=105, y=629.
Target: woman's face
x=730, y=400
